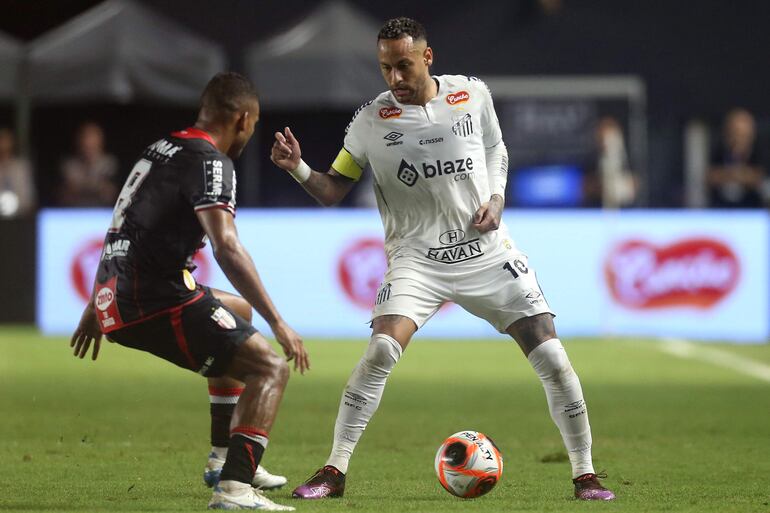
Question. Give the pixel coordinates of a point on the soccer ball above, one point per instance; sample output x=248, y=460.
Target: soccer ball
x=468, y=464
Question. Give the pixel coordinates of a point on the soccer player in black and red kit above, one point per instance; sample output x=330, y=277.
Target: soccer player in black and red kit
x=180, y=191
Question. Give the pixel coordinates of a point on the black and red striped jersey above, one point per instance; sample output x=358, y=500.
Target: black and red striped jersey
x=147, y=257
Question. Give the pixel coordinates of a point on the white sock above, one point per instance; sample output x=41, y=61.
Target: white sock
x=361, y=397
x=220, y=452
x=565, y=400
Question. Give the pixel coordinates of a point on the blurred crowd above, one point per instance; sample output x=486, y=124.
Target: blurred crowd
x=736, y=175
x=89, y=177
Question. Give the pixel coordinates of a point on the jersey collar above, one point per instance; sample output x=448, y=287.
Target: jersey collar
x=194, y=133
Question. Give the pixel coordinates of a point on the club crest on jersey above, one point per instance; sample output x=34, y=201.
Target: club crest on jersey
x=224, y=318
x=383, y=294
x=462, y=125
x=458, y=97
x=390, y=112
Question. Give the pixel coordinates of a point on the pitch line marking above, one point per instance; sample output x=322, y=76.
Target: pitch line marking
x=685, y=349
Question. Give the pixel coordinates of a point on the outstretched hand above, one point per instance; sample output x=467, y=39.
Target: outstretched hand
x=487, y=217
x=88, y=331
x=286, y=152
x=292, y=346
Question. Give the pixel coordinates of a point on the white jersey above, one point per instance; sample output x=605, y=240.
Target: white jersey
x=430, y=170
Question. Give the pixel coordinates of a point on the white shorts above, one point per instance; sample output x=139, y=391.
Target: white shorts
x=502, y=290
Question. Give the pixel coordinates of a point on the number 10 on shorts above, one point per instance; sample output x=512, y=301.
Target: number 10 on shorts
x=517, y=267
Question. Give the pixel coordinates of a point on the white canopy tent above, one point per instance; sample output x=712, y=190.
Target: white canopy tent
x=120, y=51
x=328, y=59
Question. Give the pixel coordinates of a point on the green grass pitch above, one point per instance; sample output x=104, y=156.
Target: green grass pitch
x=130, y=432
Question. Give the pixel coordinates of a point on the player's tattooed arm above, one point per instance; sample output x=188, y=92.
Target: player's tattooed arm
x=327, y=188
x=487, y=217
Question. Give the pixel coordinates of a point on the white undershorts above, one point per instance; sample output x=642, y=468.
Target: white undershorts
x=502, y=290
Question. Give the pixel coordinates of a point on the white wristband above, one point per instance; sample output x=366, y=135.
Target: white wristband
x=302, y=172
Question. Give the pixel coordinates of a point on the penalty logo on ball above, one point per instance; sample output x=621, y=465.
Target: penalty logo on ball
x=468, y=464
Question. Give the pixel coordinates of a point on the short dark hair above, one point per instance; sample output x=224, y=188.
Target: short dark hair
x=227, y=92
x=397, y=28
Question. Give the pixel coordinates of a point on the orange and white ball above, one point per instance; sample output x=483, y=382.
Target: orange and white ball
x=468, y=464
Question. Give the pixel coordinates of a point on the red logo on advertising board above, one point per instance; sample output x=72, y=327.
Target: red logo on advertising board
x=697, y=273
x=83, y=267
x=86, y=260
x=458, y=97
x=360, y=270
x=390, y=112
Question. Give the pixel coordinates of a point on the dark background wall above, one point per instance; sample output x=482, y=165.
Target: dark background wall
x=17, y=277
x=697, y=58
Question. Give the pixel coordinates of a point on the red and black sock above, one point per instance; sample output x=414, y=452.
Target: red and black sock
x=223, y=401
x=247, y=445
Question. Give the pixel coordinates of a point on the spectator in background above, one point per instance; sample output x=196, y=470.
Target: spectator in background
x=612, y=184
x=17, y=189
x=89, y=176
x=735, y=176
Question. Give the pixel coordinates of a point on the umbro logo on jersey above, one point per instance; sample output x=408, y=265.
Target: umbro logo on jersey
x=390, y=112
x=458, y=97
x=463, y=125
x=394, y=137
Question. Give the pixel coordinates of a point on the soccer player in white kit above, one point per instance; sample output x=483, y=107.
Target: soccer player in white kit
x=440, y=167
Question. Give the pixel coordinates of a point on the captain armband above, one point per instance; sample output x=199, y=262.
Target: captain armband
x=346, y=165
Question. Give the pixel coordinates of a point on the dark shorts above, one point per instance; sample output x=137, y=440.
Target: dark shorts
x=201, y=336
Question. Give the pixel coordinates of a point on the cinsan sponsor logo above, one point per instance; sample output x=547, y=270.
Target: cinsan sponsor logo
x=457, y=253
x=434, y=140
